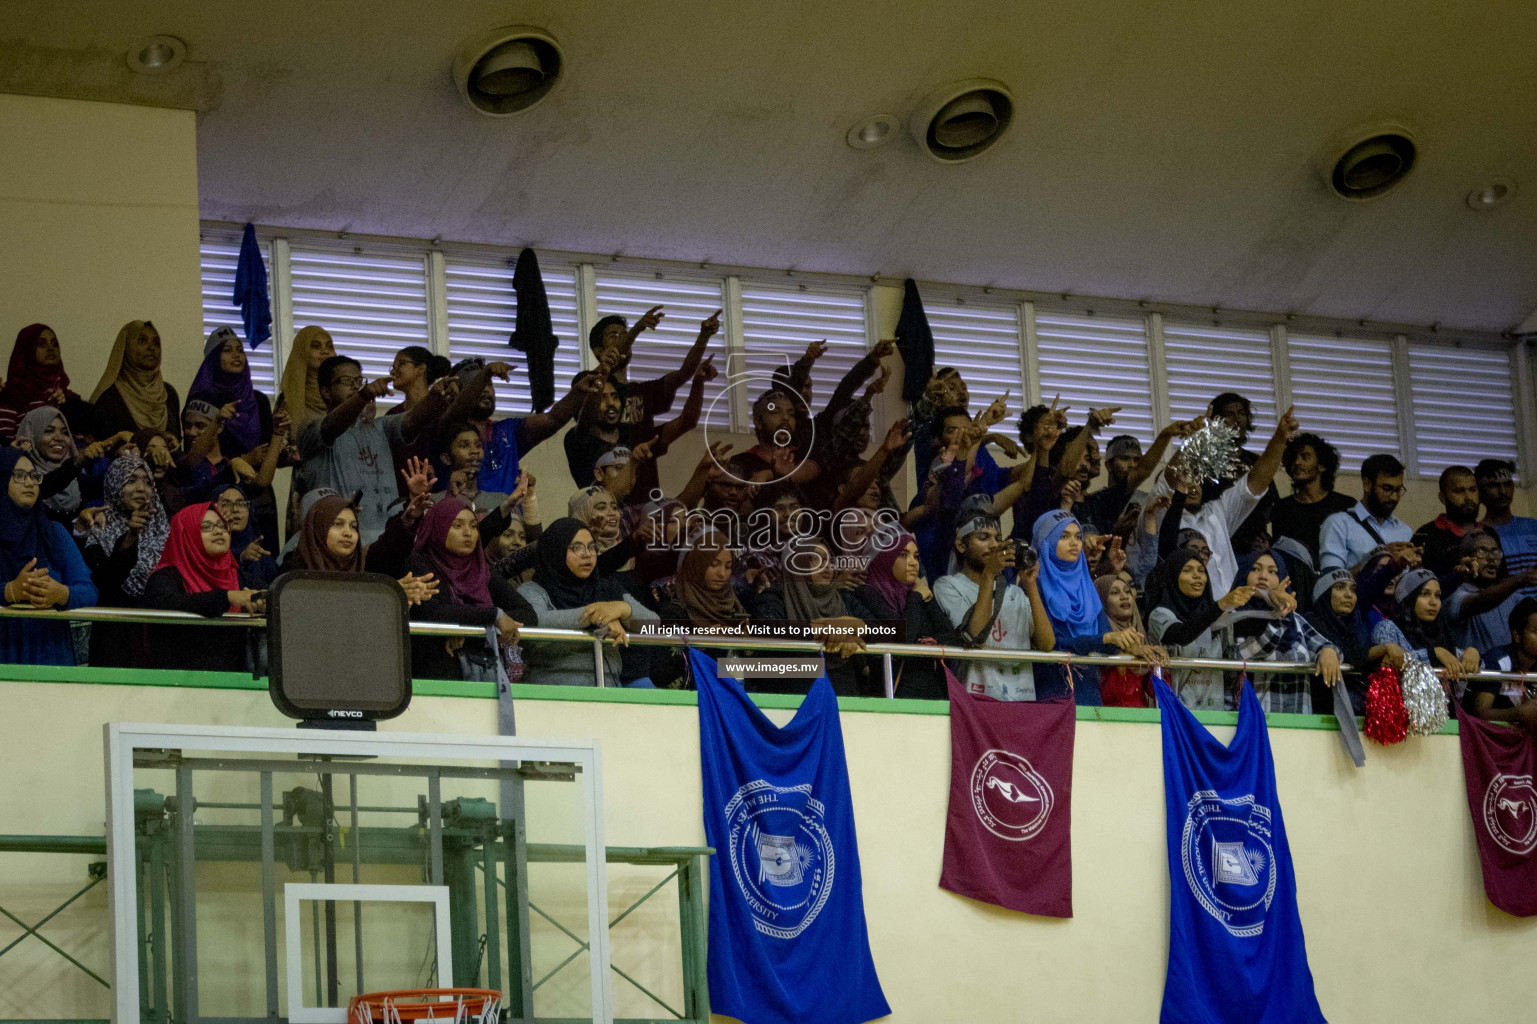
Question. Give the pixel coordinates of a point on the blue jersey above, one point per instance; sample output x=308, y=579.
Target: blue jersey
x=788, y=943
x=1236, y=953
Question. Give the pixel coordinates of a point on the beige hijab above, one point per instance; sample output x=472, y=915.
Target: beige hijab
x=301, y=388
x=142, y=391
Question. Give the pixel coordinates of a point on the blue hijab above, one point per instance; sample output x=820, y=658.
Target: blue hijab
x=1066, y=588
x=23, y=531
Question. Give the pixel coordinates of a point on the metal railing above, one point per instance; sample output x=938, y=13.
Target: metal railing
x=885, y=651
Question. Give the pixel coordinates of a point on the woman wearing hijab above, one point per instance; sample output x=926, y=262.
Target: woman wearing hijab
x=1419, y=630
x=299, y=393
x=1124, y=686
x=39, y=566
x=35, y=377
x=568, y=592
x=51, y=447
x=331, y=541
x=132, y=394
x=197, y=573
x=1337, y=614
x=121, y=551
x=895, y=590
x=448, y=549
x=702, y=598
x=599, y=510
x=224, y=378
x=805, y=592
x=1189, y=623
x=1280, y=633
x=258, y=566
x=1077, y=618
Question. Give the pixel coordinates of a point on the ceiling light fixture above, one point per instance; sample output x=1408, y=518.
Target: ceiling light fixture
x=1491, y=195
x=962, y=120
x=506, y=71
x=872, y=131
x=156, y=55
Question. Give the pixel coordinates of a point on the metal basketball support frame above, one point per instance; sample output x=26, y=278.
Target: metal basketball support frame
x=180, y=843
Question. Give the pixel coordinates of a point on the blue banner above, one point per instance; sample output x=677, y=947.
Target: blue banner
x=788, y=942
x=1236, y=953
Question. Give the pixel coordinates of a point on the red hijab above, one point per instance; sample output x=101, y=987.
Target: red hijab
x=467, y=578
x=28, y=384
x=185, y=553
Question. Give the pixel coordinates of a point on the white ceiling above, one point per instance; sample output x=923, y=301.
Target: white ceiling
x=1160, y=151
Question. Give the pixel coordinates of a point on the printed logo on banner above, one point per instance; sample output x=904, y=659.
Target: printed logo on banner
x=1012, y=799
x=1510, y=812
x=1229, y=862
x=781, y=855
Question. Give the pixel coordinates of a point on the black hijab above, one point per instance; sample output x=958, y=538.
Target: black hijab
x=1163, y=589
x=565, y=588
x=1348, y=632
x=1427, y=635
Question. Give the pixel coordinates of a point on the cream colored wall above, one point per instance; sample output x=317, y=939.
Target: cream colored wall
x=1391, y=898
x=99, y=217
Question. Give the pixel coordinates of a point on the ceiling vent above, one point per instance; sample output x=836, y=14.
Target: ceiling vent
x=506, y=71
x=962, y=120
x=1369, y=161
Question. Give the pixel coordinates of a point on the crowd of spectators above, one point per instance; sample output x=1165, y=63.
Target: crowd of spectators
x=139, y=498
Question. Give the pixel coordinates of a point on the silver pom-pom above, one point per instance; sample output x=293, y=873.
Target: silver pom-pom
x=1424, y=700
x=1211, y=453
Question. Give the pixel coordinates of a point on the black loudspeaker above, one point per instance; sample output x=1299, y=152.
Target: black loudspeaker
x=339, y=648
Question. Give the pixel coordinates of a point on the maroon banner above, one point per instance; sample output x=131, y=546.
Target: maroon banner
x=1500, y=762
x=1007, y=838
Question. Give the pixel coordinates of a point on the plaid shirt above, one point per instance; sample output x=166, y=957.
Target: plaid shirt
x=1290, y=639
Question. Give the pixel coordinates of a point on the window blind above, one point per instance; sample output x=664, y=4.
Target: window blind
x=1343, y=390
x=1201, y=362
x=1464, y=406
x=778, y=322
x=482, y=312
x=1096, y=361
x=687, y=301
x=372, y=304
x=982, y=342
x=219, y=259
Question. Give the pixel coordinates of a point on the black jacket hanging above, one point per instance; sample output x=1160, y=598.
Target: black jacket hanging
x=916, y=343
x=534, y=334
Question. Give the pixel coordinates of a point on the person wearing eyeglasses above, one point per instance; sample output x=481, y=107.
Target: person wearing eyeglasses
x=569, y=592
x=258, y=565
x=1348, y=539
x=41, y=568
x=197, y=573
x=350, y=450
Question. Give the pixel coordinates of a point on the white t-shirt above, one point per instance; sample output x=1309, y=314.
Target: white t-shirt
x=1000, y=680
x=1216, y=520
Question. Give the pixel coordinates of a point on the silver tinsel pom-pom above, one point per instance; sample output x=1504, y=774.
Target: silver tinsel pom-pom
x=1424, y=700
x=1211, y=453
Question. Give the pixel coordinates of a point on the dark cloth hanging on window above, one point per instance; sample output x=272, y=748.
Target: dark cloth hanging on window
x=534, y=334
x=916, y=343
x=251, y=290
